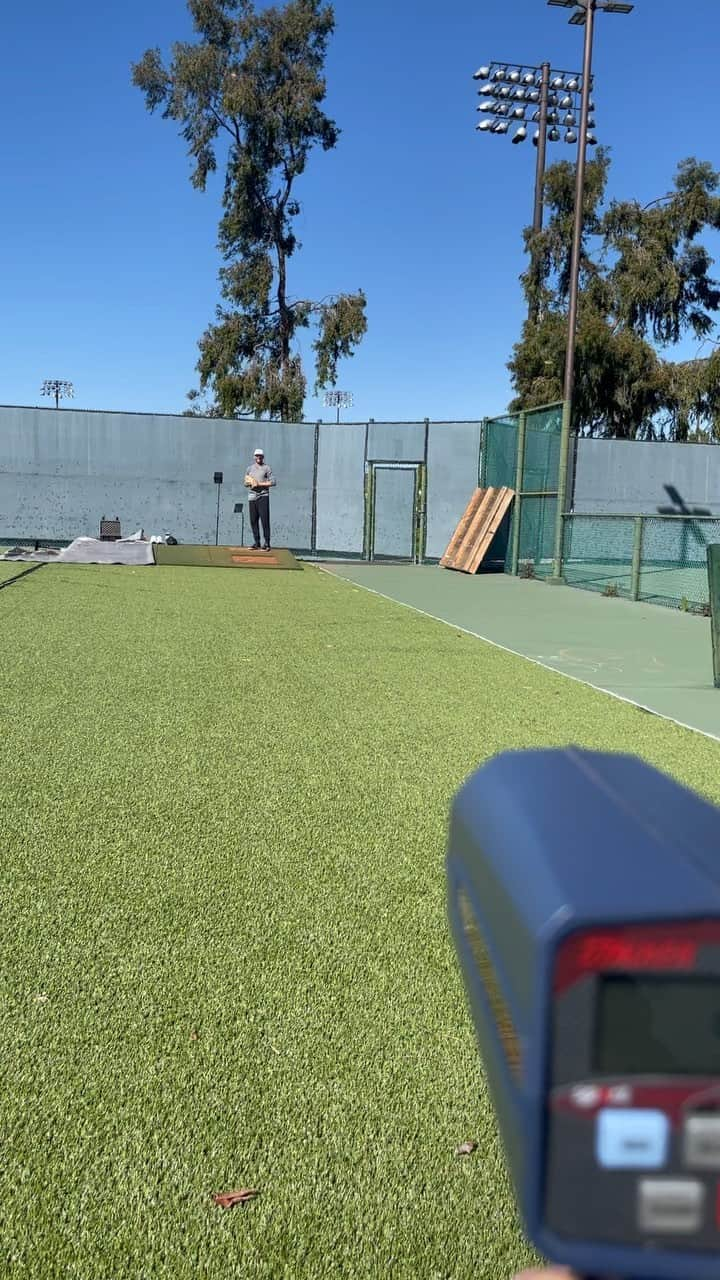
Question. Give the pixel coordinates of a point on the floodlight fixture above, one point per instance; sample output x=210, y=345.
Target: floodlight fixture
x=344, y=399
x=58, y=388
x=552, y=96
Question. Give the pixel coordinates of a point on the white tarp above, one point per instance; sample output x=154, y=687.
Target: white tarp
x=89, y=551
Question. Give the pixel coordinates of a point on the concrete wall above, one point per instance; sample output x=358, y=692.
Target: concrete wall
x=453, y=465
x=630, y=476
x=341, y=489
x=62, y=470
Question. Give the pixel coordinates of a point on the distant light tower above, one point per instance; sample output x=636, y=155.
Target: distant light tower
x=58, y=388
x=338, y=400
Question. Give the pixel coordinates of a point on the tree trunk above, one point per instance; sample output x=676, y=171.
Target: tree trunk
x=284, y=318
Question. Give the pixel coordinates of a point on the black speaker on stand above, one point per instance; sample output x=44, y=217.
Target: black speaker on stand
x=239, y=511
x=218, y=479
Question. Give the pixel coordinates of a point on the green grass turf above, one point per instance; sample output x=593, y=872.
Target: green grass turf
x=223, y=949
x=11, y=568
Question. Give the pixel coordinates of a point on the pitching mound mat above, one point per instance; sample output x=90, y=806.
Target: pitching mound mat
x=225, y=557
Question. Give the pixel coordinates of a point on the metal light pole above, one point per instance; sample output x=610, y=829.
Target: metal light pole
x=58, y=388
x=541, y=147
x=584, y=14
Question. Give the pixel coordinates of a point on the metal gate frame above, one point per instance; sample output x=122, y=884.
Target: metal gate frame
x=419, y=508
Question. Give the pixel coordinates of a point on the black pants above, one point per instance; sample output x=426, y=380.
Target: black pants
x=260, y=513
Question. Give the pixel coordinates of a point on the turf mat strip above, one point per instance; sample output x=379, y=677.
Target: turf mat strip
x=225, y=557
x=224, y=954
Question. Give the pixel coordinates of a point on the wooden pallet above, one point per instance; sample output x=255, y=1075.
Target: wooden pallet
x=472, y=538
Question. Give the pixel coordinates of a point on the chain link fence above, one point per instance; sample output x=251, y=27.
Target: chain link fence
x=661, y=559
x=658, y=558
x=522, y=451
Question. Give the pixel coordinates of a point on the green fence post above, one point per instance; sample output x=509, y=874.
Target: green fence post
x=713, y=563
x=557, y=572
x=638, y=526
x=483, y=453
x=519, y=471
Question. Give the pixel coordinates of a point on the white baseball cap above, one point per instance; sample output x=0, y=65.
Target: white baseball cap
x=259, y=451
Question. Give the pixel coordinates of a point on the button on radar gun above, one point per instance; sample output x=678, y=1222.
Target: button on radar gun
x=584, y=901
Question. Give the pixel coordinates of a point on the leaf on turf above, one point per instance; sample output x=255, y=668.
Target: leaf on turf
x=465, y=1148
x=227, y=1199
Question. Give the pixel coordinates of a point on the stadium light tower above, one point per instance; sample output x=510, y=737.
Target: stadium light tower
x=583, y=14
x=338, y=400
x=517, y=95
x=58, y=388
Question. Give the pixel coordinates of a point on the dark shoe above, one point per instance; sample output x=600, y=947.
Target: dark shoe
x=256, y=547
x=266, y=548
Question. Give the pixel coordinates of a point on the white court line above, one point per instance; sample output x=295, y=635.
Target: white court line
x=516, y=653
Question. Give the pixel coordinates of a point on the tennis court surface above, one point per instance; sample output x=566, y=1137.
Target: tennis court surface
x=659, y=658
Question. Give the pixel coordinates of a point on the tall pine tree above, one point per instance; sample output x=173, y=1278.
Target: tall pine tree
x=645, y=284
x=248, y=94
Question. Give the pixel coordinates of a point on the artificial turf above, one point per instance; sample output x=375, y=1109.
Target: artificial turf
x=10, y=569
x=224, y=954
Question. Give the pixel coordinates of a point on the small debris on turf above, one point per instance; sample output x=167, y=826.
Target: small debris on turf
x=227, y=1199
x=465, y=1148
x=194, y=1035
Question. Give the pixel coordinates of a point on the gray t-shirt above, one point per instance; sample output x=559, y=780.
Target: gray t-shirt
x=259, y=471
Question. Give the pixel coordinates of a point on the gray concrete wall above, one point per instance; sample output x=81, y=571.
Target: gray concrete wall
x=630, y=476
x=452, y=477
x=62, y=470
x=341, y=489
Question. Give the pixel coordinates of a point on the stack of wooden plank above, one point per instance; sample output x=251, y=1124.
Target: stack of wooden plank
x=472, y=538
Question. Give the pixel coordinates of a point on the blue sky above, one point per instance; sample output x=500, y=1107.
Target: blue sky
x=108, y=256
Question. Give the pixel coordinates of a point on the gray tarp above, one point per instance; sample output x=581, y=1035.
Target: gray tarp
x=89, y=551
